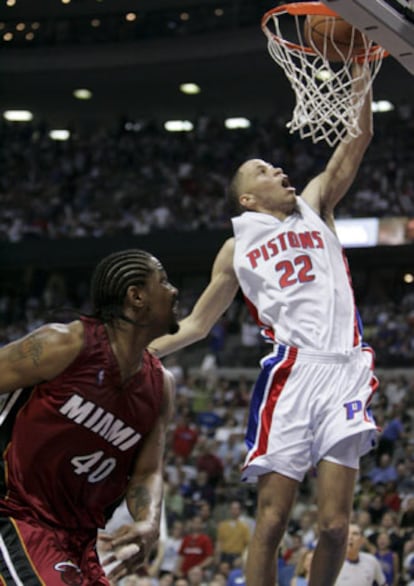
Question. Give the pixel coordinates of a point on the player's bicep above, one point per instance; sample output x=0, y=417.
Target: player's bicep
x=39, y=356
x=221, y=290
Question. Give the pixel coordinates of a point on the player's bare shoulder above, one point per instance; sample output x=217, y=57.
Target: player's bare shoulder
x=40, y=355
x=46, y=341
x=63, y=336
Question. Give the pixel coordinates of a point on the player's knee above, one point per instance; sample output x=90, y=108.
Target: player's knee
x=334, y=530
x=271, y=523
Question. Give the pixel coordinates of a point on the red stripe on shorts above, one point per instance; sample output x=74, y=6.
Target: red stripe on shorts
x=280, y=377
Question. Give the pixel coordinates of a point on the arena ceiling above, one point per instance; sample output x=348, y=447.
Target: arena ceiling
x=138, y=78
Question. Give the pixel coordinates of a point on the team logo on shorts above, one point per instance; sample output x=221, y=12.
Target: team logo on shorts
x=352, y=408
x=70, y=573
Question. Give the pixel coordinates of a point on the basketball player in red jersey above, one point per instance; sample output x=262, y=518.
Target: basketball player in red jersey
x=309, y=407
x=83, y=426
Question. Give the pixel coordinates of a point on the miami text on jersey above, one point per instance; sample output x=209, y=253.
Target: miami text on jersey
x=86, y=413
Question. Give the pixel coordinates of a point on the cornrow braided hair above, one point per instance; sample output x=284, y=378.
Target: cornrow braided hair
x=111, y=279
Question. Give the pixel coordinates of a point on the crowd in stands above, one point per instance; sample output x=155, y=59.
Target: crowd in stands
x=135, y=181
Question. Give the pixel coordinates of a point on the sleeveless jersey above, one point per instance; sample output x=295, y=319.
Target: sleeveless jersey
x=296, y=280
x=73, y=441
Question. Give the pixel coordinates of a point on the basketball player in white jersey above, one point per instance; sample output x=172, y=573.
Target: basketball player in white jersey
x=310, y=403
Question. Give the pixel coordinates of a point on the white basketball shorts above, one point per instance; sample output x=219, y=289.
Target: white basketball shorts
x=305, y=403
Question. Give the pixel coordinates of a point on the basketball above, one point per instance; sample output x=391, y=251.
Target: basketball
x=323, y=33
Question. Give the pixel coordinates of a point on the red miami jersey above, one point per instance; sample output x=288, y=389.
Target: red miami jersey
x=296, y=280
x=72, y=442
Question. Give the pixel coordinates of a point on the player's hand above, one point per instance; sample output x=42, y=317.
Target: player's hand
x=129, y=547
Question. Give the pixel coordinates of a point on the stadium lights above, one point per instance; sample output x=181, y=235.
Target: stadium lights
x=190, y=88
x=178, y=126
x=59, y=134
x=82, y=94
x=18, y=115
x=382, y=106
x=233, y=123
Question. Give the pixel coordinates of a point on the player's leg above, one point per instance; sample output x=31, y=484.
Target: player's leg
x=15, y=564
x=335, y=490
x=34, y=555
x=276, y=495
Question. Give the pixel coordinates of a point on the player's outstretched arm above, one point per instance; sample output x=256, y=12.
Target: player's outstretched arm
x=212, y=303
x=328, y=188
x=39, y=356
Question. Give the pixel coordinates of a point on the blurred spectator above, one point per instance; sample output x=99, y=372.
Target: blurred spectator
x=209, y=524
x=236, y=576
x=377, y=507
x=199, y=489
x=387, y=558
x=195, y=576
x=302, y=570
x=171, y=548
x=407, y=510
x=184, y=436
x=233, y=535
x=209, y=462
x=384, y=472
x=196, y=549
x=293, y=549
x=307, y=529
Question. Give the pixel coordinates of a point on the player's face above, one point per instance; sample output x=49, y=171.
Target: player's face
x=354, y=540
x=162, y=300
x=269, y=185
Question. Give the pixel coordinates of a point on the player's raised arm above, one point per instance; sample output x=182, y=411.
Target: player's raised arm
x=327, y=189
x=39, y=356
x=212, y=303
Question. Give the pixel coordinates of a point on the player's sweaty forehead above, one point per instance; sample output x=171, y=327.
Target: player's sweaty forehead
x=250, y=169
x=253, y=165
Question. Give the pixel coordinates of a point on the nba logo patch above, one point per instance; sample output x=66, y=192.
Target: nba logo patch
x=100, y=376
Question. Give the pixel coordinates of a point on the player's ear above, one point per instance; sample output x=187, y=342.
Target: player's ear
x=135, y=296
x=247, y=200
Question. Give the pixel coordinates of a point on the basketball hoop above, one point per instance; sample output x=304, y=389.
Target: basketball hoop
x=329, y=96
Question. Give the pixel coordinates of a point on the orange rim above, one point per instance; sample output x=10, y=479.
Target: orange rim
x=308, y=9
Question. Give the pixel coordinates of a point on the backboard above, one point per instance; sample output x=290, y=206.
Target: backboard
x=390, y=23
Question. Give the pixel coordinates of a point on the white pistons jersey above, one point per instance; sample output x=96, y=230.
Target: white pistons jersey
x=296, y=280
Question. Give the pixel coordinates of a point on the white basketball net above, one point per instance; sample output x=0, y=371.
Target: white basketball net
x=327, y=101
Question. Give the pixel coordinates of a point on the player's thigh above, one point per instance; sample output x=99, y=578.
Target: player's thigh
x=335, y=489
x=32, y=555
